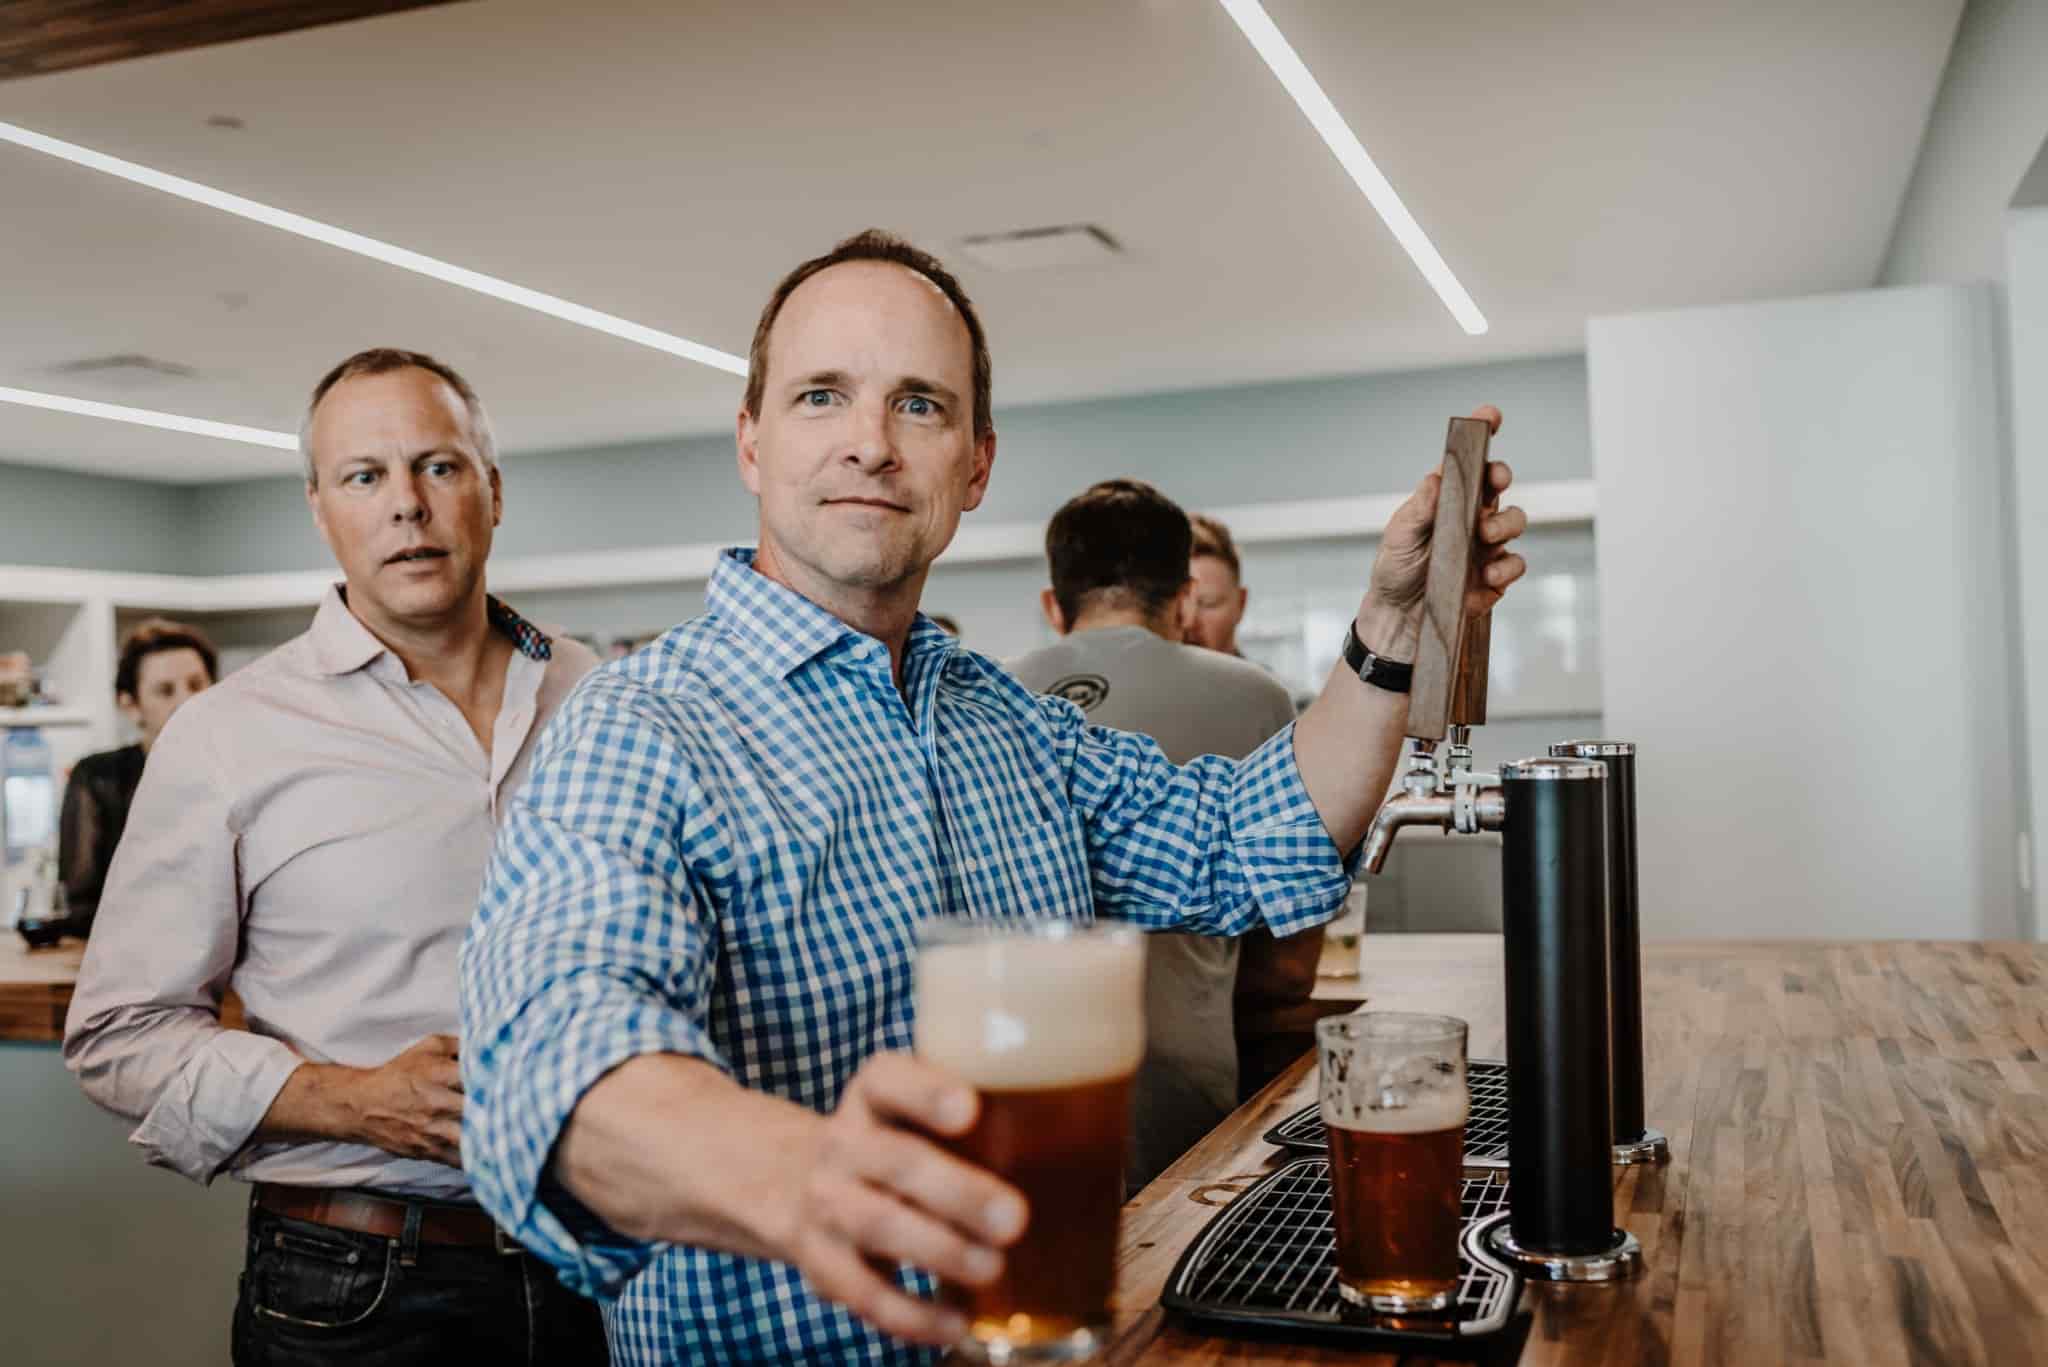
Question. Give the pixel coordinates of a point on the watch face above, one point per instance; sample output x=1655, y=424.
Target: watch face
x=1085, y=691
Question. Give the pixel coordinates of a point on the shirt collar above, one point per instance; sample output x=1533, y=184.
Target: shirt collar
x=785, y=630
x=342, y=644
x=778, y=625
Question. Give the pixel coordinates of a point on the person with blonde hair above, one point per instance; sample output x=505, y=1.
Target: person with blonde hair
x=1220, y=594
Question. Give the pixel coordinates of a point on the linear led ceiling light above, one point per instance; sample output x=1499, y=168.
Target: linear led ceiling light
x=1251, y=18
x=376, y=250
x=149, y=417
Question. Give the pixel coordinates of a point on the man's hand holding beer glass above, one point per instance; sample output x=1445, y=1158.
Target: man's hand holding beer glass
x=880, y=1188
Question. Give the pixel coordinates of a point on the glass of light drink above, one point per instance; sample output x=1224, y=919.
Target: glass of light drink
x=1394, y=1100
x=1046, y=1020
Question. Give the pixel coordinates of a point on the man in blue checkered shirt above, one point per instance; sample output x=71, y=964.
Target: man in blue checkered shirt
x=686, y=998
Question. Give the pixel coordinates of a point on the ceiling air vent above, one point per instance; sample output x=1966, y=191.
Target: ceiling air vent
x=1035, y=249
x=125, y=369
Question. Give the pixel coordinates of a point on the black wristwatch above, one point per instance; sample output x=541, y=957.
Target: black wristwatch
x=1377, y=670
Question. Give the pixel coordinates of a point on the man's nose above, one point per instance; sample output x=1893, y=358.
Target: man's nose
x=407, y=504
x=874, y=440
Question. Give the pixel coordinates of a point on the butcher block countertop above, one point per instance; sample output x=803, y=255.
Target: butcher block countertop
x=35, y=987
x=1858, y=1175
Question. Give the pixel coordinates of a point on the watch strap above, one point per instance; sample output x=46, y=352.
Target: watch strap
x=1377, y=670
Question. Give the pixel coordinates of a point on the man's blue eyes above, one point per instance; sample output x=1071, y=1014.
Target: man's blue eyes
x=917, y=405
x=364, y=478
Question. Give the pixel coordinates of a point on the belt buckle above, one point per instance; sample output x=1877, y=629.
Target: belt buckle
x=503, y=1244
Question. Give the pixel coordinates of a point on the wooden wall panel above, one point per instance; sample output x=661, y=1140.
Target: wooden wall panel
x=40, y=36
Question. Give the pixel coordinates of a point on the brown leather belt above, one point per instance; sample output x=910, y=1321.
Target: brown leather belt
x=384, y=1217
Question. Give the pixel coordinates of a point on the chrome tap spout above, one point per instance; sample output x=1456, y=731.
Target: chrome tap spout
x=1406, y=810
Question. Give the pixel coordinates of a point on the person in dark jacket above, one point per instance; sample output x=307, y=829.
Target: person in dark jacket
x=162, y=664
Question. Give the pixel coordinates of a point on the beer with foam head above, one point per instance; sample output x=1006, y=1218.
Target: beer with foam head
x=1394, y=1101
x=1047, y=1022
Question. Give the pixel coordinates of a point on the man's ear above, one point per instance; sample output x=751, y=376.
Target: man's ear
x=1050, y=606
x=497, y=498
x=129, y=707
x=984, y=465
x=746, y=449
x=1183, y=616
x=319, y=520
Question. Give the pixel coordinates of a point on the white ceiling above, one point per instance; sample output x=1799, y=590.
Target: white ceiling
x=667, y=162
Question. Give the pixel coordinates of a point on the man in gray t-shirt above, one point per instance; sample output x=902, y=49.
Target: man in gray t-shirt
x=1121, y=599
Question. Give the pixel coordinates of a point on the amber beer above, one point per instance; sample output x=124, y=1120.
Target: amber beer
x=1394, y=1102
x=1047, y=1022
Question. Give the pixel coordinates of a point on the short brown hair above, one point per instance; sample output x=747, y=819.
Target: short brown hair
x=876, y=245
x=1213, y=538
x=153, y=636
x=1118, y=539
x=382, y=360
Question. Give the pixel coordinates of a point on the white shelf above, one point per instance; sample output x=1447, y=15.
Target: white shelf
x=44, y=716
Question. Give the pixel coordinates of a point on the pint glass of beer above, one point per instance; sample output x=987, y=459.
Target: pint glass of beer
x=1394, y=1102
x=1046, y=1020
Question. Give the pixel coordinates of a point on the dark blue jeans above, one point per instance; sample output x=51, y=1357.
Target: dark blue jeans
x=313, y=1296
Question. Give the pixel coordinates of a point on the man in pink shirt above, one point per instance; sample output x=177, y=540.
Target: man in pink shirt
x=312, y=833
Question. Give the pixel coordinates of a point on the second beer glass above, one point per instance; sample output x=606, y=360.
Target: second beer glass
x=1394, y=1101
x=1046, y=1020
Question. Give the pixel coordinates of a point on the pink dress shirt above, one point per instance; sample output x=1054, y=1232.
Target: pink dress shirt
x=311, y=832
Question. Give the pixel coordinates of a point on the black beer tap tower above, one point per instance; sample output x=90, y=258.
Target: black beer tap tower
x=1634, y=1140
x=1568, y=917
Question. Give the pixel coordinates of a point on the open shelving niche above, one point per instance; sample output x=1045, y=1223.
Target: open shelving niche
x=71, y=620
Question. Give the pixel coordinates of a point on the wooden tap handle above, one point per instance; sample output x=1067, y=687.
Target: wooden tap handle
x=1450, y=681
x=1468, y=697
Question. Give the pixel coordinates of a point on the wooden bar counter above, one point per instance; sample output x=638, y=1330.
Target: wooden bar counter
x=1858, y=1175
x=35, y=989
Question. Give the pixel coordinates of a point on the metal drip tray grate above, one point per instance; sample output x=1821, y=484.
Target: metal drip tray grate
x=1270, y=1261
x=1486, y=1128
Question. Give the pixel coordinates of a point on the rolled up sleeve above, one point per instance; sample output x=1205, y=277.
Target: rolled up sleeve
x=143, y=1035
x=1215, y=845
x=590, y=947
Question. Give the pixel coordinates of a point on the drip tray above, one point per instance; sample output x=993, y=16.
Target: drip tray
x=1486, y=1128
x=1269, y=1261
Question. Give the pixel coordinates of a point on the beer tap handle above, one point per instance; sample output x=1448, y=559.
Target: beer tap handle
x=1468, y=697
x=1449, y=684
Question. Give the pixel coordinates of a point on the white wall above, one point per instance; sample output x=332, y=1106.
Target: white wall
x=1803, y=613
x=1987, y=124
x=2027, y=315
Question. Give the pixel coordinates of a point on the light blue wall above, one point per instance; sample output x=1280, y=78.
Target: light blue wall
x=57, y=517
x=647, y=494
x=1259, y=443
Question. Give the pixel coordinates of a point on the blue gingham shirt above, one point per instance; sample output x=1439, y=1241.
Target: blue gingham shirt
x=725, y=850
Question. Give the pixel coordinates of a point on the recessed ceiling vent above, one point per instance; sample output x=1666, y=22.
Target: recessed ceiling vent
x=127, y=368
x=1037, y=249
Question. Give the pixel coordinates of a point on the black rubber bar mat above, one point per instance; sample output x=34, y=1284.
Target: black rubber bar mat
x=1269, y=1261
